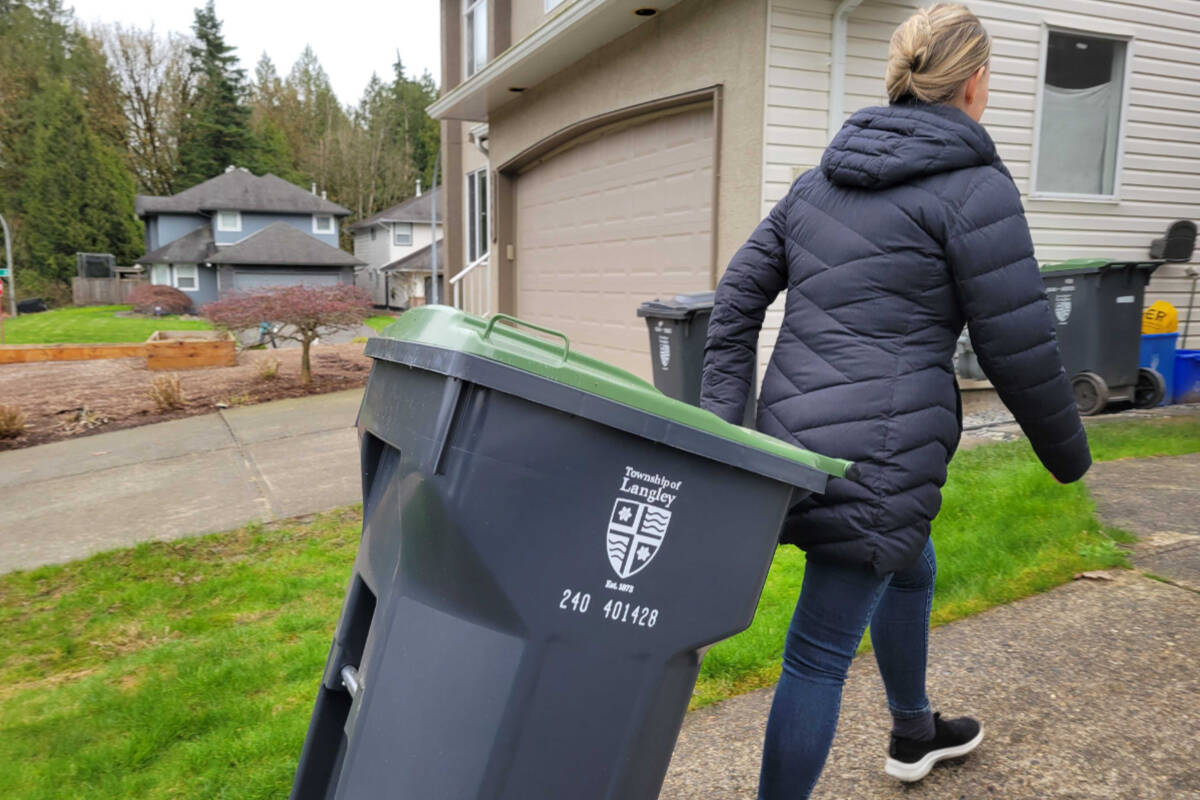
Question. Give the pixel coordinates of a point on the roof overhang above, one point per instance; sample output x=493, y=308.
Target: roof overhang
x=576, y=30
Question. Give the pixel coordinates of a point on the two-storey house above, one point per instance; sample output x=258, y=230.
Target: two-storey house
x=397, y=245
x=599, y=153
x=240, y=231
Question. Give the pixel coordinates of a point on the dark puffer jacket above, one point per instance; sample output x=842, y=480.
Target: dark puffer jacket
x=910, y=228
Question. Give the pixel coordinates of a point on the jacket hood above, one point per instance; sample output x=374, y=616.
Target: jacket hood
x=886, y=146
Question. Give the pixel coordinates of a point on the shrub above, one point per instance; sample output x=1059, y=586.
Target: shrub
x=12, y=422
x=146, y=299
x=166, y=392
x=298, y=313
x=268, y=369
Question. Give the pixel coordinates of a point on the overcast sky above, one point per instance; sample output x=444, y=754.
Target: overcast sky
x=352, y=40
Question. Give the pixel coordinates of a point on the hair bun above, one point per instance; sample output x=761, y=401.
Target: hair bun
x=933, y=51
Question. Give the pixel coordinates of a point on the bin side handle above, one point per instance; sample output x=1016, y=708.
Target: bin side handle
x=520, y=322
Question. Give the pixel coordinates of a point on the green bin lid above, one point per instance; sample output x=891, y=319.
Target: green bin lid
x=1085, y=265
x=1077, y=265
x=450, y=329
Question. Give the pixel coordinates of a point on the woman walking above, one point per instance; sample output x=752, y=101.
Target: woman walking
x=910, y=228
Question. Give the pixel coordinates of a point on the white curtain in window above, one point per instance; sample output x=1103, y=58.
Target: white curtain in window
x=1077, y=146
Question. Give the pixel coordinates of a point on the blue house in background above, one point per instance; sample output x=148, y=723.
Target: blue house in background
x=240, y=231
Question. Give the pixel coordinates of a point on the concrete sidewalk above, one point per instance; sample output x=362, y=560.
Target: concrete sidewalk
x=66, y=500
x=1087, y=691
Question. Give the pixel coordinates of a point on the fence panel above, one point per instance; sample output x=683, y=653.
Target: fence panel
x=103, y=291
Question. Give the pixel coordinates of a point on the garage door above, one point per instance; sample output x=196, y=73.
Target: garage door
x=248, y=280
x=616, y=220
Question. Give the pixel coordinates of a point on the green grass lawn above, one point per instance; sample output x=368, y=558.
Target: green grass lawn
x=380, y=321
x=91, y=324
x=189, y=668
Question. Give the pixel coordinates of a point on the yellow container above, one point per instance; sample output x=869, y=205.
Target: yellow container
x=1160, y=317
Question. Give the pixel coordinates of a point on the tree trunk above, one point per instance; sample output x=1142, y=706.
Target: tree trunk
x=305, y=368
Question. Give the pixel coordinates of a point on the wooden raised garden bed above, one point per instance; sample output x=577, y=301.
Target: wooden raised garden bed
x=190, y=349
x=163, y=350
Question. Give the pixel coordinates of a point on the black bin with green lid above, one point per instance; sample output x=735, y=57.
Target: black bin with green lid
x=549, y=545
x=1097, y=307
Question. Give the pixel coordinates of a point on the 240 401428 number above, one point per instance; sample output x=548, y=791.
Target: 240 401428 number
x=621, y=611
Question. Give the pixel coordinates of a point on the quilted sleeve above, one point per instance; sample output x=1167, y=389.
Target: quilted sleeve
x=751, y=282
x=1000, y=290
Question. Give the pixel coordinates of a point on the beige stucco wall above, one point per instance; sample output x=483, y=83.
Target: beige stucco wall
x=527, y=15
x=688, y=47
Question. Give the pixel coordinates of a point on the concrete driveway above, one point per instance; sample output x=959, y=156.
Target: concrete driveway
x=66, y=500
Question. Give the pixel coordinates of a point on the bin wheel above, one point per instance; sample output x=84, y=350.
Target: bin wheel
x=1091, y=393
x=1150, y=389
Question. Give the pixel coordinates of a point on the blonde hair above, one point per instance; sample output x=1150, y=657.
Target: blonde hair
x=933, y=52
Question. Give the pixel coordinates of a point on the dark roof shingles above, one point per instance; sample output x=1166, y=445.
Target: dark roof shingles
x=419, y=260
x=191, y=248
x=280, y=244
x=240, y=190
x=414, y=209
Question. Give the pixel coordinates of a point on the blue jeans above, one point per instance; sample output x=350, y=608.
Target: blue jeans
x=835, y=605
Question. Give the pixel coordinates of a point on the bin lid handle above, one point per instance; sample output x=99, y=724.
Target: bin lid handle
x=520, y=322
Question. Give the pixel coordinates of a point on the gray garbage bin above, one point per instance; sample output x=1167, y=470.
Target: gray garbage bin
x=549, y=544
x=1097, y=307
x=678, y=330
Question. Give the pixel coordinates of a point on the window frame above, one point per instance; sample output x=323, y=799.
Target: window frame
x=1122, y=124
x=478, y=244
x=181, y=271
x=332, y=224
x=237, y=226
x=396, y=227
x=162, y=271
x=470, y=7
x=550, y=5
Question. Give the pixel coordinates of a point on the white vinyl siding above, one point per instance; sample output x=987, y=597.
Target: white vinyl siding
x=1158, y=174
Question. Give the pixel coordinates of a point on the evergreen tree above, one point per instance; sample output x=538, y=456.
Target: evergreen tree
x=64, y=181
x=77, y=194
x=216, y=131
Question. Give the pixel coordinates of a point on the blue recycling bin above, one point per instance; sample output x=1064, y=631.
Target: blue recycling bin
x=1158, y=354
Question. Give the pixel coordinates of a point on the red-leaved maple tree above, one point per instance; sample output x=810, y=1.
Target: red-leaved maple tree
x=298, y=313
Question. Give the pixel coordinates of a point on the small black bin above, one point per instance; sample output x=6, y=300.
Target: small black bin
x=549, y=545
x=678, y=329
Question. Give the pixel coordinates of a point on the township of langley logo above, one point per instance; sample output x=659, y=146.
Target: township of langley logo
x=635, y=534
x=664, y=351
x=1062, y=307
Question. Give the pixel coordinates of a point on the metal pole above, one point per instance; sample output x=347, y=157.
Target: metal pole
x=12, y=282
x=1187, y=323
x=433, y=204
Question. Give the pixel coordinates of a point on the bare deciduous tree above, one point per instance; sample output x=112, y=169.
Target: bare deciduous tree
x=155, y=85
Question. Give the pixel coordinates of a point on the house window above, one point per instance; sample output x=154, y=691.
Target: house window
x=477, y=218
x=552, y=4
x=402, y=234
x=322, y=223
x=160, y=275
x=372, y=233
x=229, y=221
x=475, y=34
x=186, y=278
x=1081, y=115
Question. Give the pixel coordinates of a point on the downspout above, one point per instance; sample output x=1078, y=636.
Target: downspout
x=837, y=66
x=433, y=206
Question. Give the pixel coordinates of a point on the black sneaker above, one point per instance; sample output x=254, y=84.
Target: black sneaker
x=911, y=759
